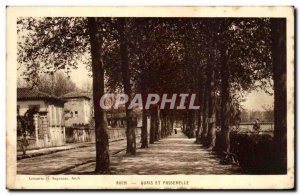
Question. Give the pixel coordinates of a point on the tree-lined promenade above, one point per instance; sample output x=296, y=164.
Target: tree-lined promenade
x=219, y=59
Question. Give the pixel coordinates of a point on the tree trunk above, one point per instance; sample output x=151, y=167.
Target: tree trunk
x=144, y=133
x=130, y=128
x=184, y=117
x=191, y=124
x=200, y=111
x=278, y=32
x=171, y=124
x=164, y=124
x=204, y=114
x=102, y=146
x=195, y=122
x=158, y=124
x=152, y=125
x=225, y=103
x=211, y=131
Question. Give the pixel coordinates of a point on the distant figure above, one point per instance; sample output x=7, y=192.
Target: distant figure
x=256, y=125
x=175, y=130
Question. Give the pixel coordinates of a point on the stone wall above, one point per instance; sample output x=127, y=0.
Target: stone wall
x=76, y=135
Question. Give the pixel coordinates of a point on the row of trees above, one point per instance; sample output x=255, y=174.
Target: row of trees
x=266, y=115
x=217, y=58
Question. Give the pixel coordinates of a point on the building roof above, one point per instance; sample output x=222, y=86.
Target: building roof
x=34, y=94
x=76, y=94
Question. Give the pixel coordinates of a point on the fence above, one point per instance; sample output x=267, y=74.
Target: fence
x=265, y=128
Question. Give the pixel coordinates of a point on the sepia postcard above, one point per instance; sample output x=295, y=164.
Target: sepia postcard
x=142, y=98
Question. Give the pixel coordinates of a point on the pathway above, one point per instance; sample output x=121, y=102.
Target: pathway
x=174, y=155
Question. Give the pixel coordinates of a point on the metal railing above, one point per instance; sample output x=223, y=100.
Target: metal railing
x=265, y=127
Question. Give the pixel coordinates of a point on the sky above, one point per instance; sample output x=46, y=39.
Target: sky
x=255, y=100
x=80, y=76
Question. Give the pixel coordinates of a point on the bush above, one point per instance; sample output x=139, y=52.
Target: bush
x=253, y=151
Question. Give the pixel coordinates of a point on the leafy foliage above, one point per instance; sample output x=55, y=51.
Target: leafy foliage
x=46, y=45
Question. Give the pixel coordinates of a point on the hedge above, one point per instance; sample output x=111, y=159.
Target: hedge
x=253, y=151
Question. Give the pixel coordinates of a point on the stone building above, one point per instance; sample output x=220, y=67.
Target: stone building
x=77, y=108
x=49, y=123
x=78, y=117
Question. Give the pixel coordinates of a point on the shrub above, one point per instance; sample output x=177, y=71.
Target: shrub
x=254, y=151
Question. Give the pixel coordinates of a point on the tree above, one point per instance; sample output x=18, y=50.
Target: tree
x=268, y=113
x=255, y=114
x=246, y=63
x=278, y=29
x=102, y=146
x=57, y=84
x=139, y=34
x=21, y=83
x=225, y=101
x=130, y=129
x=211, y=113
x=153, y=125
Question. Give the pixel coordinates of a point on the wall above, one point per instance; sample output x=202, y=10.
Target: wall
x=117, y=133
x=79, y=134
x=88, y=135
x=82, y=107
x=87, y=111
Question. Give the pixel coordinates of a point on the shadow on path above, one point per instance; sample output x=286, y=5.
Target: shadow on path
x=173, y=155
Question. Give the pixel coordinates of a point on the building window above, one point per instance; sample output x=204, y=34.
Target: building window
x=76, y=113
